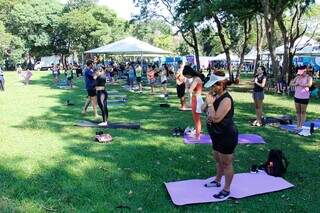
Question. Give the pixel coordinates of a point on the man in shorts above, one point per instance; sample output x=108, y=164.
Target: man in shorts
x=90, y=87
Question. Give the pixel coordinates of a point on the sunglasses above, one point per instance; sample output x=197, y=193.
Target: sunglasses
x=217, y=84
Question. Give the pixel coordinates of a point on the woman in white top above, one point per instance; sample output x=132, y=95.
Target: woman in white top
x=164, y=80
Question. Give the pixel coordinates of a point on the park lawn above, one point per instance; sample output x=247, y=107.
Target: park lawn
x=49, y=165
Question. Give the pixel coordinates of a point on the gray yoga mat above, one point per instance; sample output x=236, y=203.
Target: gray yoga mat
x=88, y=123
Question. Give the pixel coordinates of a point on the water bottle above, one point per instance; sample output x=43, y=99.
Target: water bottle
x=311, y=128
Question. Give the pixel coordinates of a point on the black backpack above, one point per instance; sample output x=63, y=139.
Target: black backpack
x=276, y=164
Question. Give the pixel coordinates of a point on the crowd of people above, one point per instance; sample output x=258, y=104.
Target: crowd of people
x=218, y=104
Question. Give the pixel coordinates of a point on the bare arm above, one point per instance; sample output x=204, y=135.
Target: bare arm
x=193, y=85
x=263, y=83
x=223, y=109
x=308, y=84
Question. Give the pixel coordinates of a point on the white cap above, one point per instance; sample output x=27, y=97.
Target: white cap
x=214, y=79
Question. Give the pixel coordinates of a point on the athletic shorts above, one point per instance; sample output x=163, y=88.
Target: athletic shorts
x=164, y=82
x=258, y=95
x=152, y=82
x=225, y=140
x=181, y=90
x=301, y=101
x=138, y=79
x=91, y=92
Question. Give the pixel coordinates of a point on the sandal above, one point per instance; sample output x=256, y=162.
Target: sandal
x=212, y=184
x=254, y=123
x=222, y=194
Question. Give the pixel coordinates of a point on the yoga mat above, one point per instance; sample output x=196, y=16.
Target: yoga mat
x=242, y=139
x=186, y=109
x=83, y=123
x=316, y=123
x=117, y=96
x=292, y=128
x=117, y=101
x=116, y=104
x=243, y=185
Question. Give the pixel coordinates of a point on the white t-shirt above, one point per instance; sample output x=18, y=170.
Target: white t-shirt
x=163, y=75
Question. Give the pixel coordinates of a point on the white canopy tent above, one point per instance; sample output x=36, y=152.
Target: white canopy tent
x=222, y=57
x=252, y=55
x=310, y=50
x=130, y=47
x=300, y=43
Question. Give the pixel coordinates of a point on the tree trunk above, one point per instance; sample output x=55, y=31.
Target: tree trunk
x=259, y=41
x=193, y=44
x=224, y=45
x=269, y=20
x=290, y=67
x=285, y=62
x=195, y=47
x=247, y=30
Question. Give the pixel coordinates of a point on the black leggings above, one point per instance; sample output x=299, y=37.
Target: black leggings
x=102, y=97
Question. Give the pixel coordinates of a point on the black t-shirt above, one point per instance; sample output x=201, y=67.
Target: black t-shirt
x=101, y=80
x=256, y=87
x=226, y=124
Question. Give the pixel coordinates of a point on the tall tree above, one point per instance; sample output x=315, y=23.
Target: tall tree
x=156, y=32
x=10, y=46
x=291, y=33
x=34, y=22
x=176, y=14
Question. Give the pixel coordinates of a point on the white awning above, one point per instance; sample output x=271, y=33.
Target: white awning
x=129, y=46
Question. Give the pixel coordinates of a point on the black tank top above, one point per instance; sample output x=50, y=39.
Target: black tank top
x=256, y=87
x=227, y=121
x=101, y=80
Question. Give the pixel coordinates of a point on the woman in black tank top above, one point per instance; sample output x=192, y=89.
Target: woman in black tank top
x=258, y=94
x=222, y=130
x=102, y=95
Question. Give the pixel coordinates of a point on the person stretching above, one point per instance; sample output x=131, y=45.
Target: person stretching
x=222, y=130
x=258, y=95
x=102, y=95
x=181, y=86
x=139, y=75
x=151, y=77
x=164, y=73
x=196, y=100
x=90, y=86
x=302, y=82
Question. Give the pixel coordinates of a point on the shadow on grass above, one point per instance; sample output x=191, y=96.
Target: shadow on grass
x=129, y=172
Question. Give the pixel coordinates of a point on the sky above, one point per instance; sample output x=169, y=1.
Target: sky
x=124, y=8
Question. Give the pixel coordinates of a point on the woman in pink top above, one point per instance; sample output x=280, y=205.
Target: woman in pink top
x=302, y=83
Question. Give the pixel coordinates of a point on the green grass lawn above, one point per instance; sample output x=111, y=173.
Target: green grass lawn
x=49, y=165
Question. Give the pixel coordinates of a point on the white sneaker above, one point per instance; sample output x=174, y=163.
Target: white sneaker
x=103, y=124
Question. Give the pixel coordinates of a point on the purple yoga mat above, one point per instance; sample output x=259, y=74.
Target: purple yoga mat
x=316, y=123
x=242, y=139
x=243, y=185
